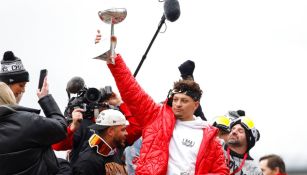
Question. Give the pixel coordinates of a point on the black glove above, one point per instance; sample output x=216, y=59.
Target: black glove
x=241, y=112
x=237, y=114
x=186, y=69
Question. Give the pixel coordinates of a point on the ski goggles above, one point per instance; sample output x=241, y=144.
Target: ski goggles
x=247, y=122
x=222, y=122
x=102, y=147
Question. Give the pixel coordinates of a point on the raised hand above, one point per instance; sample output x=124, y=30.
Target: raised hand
x=98, y=37
x=115, y=100
x=77, y=117
x=44, y=91
x=109, y=55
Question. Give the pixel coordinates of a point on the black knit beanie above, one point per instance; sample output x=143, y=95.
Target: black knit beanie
x=12, y=70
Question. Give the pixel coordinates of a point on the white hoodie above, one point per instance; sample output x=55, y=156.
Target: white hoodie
x=184, y=146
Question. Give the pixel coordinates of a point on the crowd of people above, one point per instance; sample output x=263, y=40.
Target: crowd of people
x=130, y=133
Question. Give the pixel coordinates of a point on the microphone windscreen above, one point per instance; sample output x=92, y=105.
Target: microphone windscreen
x=74, y=85
x=171, y=10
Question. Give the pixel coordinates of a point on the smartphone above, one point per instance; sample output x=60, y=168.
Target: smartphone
x=42, y=76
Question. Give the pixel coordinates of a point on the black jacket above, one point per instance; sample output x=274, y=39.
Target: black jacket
x=91, y=163
x=25, y=138
x=80, y=140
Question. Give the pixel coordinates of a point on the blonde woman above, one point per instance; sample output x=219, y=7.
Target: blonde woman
x=14, y=74
x=6, y=95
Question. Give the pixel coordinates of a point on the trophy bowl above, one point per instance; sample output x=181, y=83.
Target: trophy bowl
x=113, y=16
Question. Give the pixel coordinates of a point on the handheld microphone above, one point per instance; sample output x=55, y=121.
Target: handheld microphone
x=171, y=10
x=74, y=85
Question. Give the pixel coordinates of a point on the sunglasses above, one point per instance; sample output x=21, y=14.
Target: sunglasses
x=102, y=147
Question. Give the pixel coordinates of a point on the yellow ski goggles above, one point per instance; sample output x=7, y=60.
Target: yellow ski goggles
x=249, y=125
x=222, y=122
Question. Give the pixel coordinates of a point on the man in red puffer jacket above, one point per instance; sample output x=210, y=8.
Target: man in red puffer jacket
x=174, y=140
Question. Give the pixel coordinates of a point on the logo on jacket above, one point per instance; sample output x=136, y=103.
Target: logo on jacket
x=188, y=143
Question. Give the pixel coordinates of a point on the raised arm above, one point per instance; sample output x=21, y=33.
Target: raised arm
x=52, y=128
x=141, y=105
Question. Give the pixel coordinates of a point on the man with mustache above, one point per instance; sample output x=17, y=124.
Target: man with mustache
x=241, y=139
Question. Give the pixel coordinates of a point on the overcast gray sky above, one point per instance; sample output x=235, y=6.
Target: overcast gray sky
x=249, y=55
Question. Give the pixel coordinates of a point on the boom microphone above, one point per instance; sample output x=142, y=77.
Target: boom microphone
x=171, y=10
x=171, y=13
x=74, y=85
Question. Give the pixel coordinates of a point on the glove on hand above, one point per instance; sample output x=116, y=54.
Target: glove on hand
x=186, y=69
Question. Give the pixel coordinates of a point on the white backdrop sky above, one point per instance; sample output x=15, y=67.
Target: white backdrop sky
x=249, y=55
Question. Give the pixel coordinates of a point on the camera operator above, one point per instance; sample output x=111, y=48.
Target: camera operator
x=78, y=131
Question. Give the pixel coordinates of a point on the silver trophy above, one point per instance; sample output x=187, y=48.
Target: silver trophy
x=112, y=16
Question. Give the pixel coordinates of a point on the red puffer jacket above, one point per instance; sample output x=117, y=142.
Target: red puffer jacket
x=158, y=122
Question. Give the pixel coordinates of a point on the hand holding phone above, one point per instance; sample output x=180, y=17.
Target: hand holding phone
x=42, y=76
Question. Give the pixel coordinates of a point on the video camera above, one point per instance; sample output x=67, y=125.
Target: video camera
x=89, y=99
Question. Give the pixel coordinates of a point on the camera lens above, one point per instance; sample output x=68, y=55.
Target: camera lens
x=92, y=95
